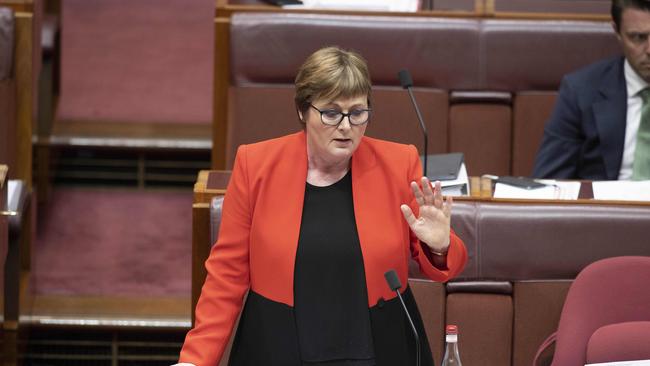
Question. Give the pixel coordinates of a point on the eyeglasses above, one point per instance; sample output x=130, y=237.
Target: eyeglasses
x=333, y=117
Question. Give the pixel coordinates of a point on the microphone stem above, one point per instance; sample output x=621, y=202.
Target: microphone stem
x=415, y=332
x=424, y=129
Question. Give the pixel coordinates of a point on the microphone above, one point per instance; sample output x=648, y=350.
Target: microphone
x=395, y=285
x=407, y=83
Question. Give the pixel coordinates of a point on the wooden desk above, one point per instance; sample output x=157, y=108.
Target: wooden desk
x=211, y=183
x=481, y=189
x=9, y=326
x=208, y=185
x=26, y=62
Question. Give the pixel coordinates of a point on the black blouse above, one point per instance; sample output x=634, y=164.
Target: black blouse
x=331, y=300
x=330, y=323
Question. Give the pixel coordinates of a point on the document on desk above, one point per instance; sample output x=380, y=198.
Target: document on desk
x=622, y=363
x=554, y=190
x=369, y=5
x=458, y=186
x=622, y=190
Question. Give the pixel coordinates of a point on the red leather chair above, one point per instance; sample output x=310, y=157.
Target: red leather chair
x=606, y=316
x=620, y=341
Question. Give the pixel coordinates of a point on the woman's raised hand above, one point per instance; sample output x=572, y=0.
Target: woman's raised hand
x=433, y=224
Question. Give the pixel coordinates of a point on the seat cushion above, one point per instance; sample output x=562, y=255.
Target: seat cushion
x=626, y=341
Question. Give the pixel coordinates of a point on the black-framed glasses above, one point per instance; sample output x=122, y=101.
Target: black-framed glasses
x=332, y=117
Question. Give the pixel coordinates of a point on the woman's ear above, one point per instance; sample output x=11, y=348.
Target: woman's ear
x=300, y=116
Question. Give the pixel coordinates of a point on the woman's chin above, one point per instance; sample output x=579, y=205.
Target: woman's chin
x=339, y=154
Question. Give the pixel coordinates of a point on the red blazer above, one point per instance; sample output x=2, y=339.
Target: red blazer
x=260, y=224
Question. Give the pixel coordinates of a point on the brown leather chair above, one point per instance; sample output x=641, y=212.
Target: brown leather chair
x=552, y=6
x=477, y=97
x=267, y=50
x=498, y=123
x=528, y=58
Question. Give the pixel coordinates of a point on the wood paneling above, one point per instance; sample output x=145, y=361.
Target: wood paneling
x=26, y=100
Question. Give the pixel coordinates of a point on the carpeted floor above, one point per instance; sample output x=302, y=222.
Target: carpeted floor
x=117, y=242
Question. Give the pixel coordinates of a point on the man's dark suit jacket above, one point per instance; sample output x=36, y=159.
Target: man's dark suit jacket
x=585, y=136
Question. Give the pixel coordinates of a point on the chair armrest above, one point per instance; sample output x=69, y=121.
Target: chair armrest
x=480, y=286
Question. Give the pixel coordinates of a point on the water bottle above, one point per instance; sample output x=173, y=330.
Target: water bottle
x=452, y=358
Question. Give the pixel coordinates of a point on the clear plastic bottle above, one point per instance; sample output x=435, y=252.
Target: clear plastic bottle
x=452, y=358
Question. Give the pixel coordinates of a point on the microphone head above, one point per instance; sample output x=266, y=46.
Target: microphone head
x=405, y=79
x=393, y=280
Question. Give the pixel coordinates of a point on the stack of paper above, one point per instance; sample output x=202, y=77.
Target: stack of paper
x=458, y=186
x=568, y=190
x=621, y=190
x=369, y=5
x=554, y=190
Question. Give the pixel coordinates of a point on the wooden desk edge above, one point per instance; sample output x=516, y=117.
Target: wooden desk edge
x=579, y=201
x=202, y=194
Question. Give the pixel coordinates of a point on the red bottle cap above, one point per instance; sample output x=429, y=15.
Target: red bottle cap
x=452, y=329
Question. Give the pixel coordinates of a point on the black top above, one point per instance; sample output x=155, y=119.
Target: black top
x=330, y=323
x=330, y=295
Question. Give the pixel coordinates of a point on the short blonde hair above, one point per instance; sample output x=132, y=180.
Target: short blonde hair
x=331, y=73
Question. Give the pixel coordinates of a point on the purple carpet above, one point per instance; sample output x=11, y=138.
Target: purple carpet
x=137, y=61
x=113, y=242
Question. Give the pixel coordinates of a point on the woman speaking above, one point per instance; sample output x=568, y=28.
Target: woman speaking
x=311, y=222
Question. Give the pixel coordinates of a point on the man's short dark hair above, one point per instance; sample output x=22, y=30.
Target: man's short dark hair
x=619, y=5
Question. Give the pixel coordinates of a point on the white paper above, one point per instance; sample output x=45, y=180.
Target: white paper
x=568, y=190
x=622, y=363
x=507, y=191
x=554, y=190
x=622, y=190
x=454, y=187
x=370, y=5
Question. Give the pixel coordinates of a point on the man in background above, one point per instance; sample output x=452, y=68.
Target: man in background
x=600, y=127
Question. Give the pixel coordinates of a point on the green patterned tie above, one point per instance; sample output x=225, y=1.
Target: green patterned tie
x=641, y=164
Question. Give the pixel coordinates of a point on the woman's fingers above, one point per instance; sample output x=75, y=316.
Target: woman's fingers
x=428, y=191
x=408, y=215
x=431, y=195
x=417, y=193
x=437, y=197
x=449, y=201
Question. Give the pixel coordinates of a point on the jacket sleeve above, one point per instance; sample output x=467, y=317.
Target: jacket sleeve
x=559, y=153
x=457, y=253
x=227, y=277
